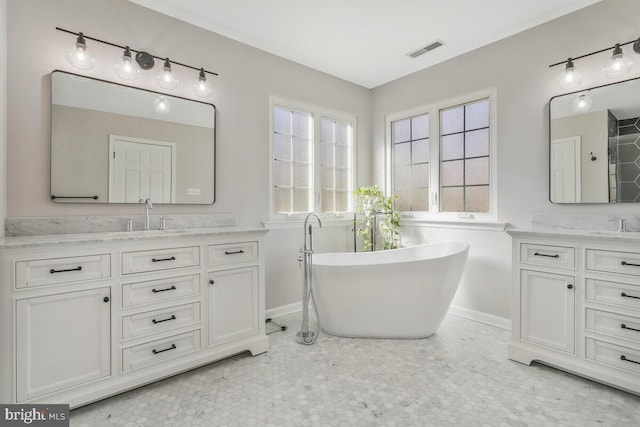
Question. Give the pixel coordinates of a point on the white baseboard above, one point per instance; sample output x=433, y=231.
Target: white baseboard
x=478, y=316
x=283, y=310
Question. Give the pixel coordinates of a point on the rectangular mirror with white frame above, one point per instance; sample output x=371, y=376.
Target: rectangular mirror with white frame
x=112, y=143
x=594, y=145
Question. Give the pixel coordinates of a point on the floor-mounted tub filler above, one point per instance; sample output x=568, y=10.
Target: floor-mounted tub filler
x=304, y=335
x=399, y=293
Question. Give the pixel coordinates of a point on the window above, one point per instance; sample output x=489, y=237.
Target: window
x=441, y=157
x=313, y=157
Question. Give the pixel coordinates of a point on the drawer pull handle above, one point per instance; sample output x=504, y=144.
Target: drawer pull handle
x=155, y=291
x=173, y=347
x=173, y=317
x=569, y=286
x=628, y=296
x=52, y=271
x=623, y=358
x=234, y=253
x=163, y=259
x=548, y=256
x=629, y=264
x=623, y=326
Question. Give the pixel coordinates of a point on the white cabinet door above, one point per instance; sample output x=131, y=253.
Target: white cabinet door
x=547, y=309
x=63, y=340
x=233, y=304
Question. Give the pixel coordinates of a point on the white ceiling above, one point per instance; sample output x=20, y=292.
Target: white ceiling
x=365, y=41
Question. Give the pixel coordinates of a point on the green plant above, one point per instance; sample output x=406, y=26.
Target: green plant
x=370, y=202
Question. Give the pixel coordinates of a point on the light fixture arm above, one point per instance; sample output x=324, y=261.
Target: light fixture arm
x=636, y=48
x=138, y=52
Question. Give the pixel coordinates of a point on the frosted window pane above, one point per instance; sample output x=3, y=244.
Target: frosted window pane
x=282, y=173
x=301, y=200
x=452, y=173
x=420, y=199
x=402, y=178
x=301, y=175
x=453, y=146
x=301, y=150
x=477, y=143
x=420, y=127
x=402, y=154
x=402, y=130
x=342, y=156
x=477, y=115
x=477, y=171
x=282, y=199
x=326, y=130
x=342, y=201
x=302, y=124
x=452, y=199
x=327, y=201
x=420, y=151
x=282, y=121
x=282, y=147
x=327, y=178
x=326, y=152
x=420, y=175
x=342, y=133
x=403, y=201
x=477, y=199
x=452, y=120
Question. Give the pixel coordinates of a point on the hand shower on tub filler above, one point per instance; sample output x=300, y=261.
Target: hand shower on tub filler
x=305, y=336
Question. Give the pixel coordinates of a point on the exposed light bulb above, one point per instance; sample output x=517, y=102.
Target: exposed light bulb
x=202, y=87
x=80, y=56
x=126, y=68
x=161, y=105
x=618, y=65
x=570, y=76
x=165, y=77
x=581, y=104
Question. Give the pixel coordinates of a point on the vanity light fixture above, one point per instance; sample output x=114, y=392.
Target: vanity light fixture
x=581, y=104
x=128, y=68
x=202, y=87
x=79, y=55
x=570, y=77
x=618, y=65
x=165, y=77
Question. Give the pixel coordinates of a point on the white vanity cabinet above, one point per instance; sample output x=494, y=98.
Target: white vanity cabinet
x=86, y=317
x=576, y=304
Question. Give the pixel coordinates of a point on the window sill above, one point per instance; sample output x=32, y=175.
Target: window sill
x=455, y=223
x=299, y=223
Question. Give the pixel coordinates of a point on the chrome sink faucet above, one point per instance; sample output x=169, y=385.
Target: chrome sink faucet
x=147, y=205
x=622, y=225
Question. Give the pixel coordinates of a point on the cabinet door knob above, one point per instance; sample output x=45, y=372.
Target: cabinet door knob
x=105, y=299
x=211, y=282
x=569, y=286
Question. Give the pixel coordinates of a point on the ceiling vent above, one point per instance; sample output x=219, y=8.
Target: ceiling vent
x=427, y=48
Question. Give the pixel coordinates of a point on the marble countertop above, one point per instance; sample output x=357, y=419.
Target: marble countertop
x=116, y=236
x=628, y=236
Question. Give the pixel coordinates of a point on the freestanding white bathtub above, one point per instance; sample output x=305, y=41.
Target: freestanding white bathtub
x=400, y=293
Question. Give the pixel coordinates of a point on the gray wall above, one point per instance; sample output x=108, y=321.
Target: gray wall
x=3, y=113
x=518, y=67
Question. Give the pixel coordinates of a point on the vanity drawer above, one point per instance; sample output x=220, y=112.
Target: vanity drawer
x=621, y=294
x=556, y=256
x=613, y=324
x=141, y=293
x=62, y=270
x=229, y=253
x=160, y=350
x=160, y=259
x=613, y=355
x=151, y=322
x=613, y=262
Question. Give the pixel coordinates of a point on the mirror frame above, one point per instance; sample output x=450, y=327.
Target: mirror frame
x=66, y=200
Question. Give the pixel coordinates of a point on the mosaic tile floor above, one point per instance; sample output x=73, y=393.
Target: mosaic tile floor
x=459, y=377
